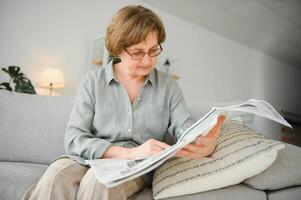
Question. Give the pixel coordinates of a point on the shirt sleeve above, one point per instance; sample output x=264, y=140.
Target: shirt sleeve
x=180, y=117
x=79, y=140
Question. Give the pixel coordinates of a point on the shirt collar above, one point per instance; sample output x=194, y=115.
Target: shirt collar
x=150, y=77
x=109, y=71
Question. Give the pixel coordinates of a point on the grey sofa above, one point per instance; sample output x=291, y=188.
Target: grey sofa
x=32, y=134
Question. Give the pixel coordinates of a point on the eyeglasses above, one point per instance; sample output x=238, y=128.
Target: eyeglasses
x=140, y=54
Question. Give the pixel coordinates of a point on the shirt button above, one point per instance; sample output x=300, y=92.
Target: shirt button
x=138, y=98
x=129, y=130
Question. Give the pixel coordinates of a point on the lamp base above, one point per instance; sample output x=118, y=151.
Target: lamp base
x=50, y=89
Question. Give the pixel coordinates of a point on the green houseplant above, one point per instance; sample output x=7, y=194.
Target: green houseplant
x=21, y=82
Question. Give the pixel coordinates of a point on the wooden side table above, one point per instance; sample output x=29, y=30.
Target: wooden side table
x=291, y=136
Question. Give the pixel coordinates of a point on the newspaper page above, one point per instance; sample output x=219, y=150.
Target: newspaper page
x=112, y=172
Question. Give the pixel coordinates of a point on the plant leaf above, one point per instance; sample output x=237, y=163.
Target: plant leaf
x=5, y=86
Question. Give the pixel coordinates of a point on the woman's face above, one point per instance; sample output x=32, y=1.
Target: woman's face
x=136, y=66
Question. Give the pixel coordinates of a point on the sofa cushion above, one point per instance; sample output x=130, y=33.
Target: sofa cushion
x=236, y=192
x=293, y=193
x=32, y=127
x=16, y=178
x=284, y=172
x=240, y=154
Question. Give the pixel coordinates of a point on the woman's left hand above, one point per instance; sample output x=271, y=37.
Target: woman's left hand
x=204, y=145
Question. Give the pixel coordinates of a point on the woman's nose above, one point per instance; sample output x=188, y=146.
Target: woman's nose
x=146, y=59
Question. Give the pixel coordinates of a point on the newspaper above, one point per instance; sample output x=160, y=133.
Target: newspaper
x=112, y=172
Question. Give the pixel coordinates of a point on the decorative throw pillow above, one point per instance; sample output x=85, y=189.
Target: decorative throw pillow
x=285, y=171
x=240, y=153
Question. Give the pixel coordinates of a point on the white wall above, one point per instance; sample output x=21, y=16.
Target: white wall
x=37, y=34
x=215, y=70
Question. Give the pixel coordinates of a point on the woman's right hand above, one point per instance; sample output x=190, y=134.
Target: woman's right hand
x=149, y=148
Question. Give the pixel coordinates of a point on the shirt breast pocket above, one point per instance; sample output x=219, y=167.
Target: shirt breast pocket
x=156, y=120
x=104, y=121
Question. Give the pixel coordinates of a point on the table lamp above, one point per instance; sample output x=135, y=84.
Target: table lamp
x=52, y=78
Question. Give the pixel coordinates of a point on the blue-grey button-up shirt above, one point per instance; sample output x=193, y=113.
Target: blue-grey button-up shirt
x=103, y=115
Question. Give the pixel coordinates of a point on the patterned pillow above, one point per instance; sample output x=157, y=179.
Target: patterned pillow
x=240, y=153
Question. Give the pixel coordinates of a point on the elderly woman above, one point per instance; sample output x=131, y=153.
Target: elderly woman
x=122, y=110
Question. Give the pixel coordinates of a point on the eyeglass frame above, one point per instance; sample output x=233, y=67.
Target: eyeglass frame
x=145, y=53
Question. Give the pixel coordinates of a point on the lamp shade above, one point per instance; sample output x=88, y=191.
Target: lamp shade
x=51, y=77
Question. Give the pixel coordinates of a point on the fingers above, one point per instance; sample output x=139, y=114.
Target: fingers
x=154, y=142
x=162, y=144
x=156, y=146
x=221, y=119
x=183, y=152
x=194, y=149
x=204, y=145
x=205, y=140
x=156, y=151
x=216, y=128
x=187, y=154
x=202, y=141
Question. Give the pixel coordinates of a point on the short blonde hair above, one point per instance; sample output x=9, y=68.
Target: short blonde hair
x=129, y=26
